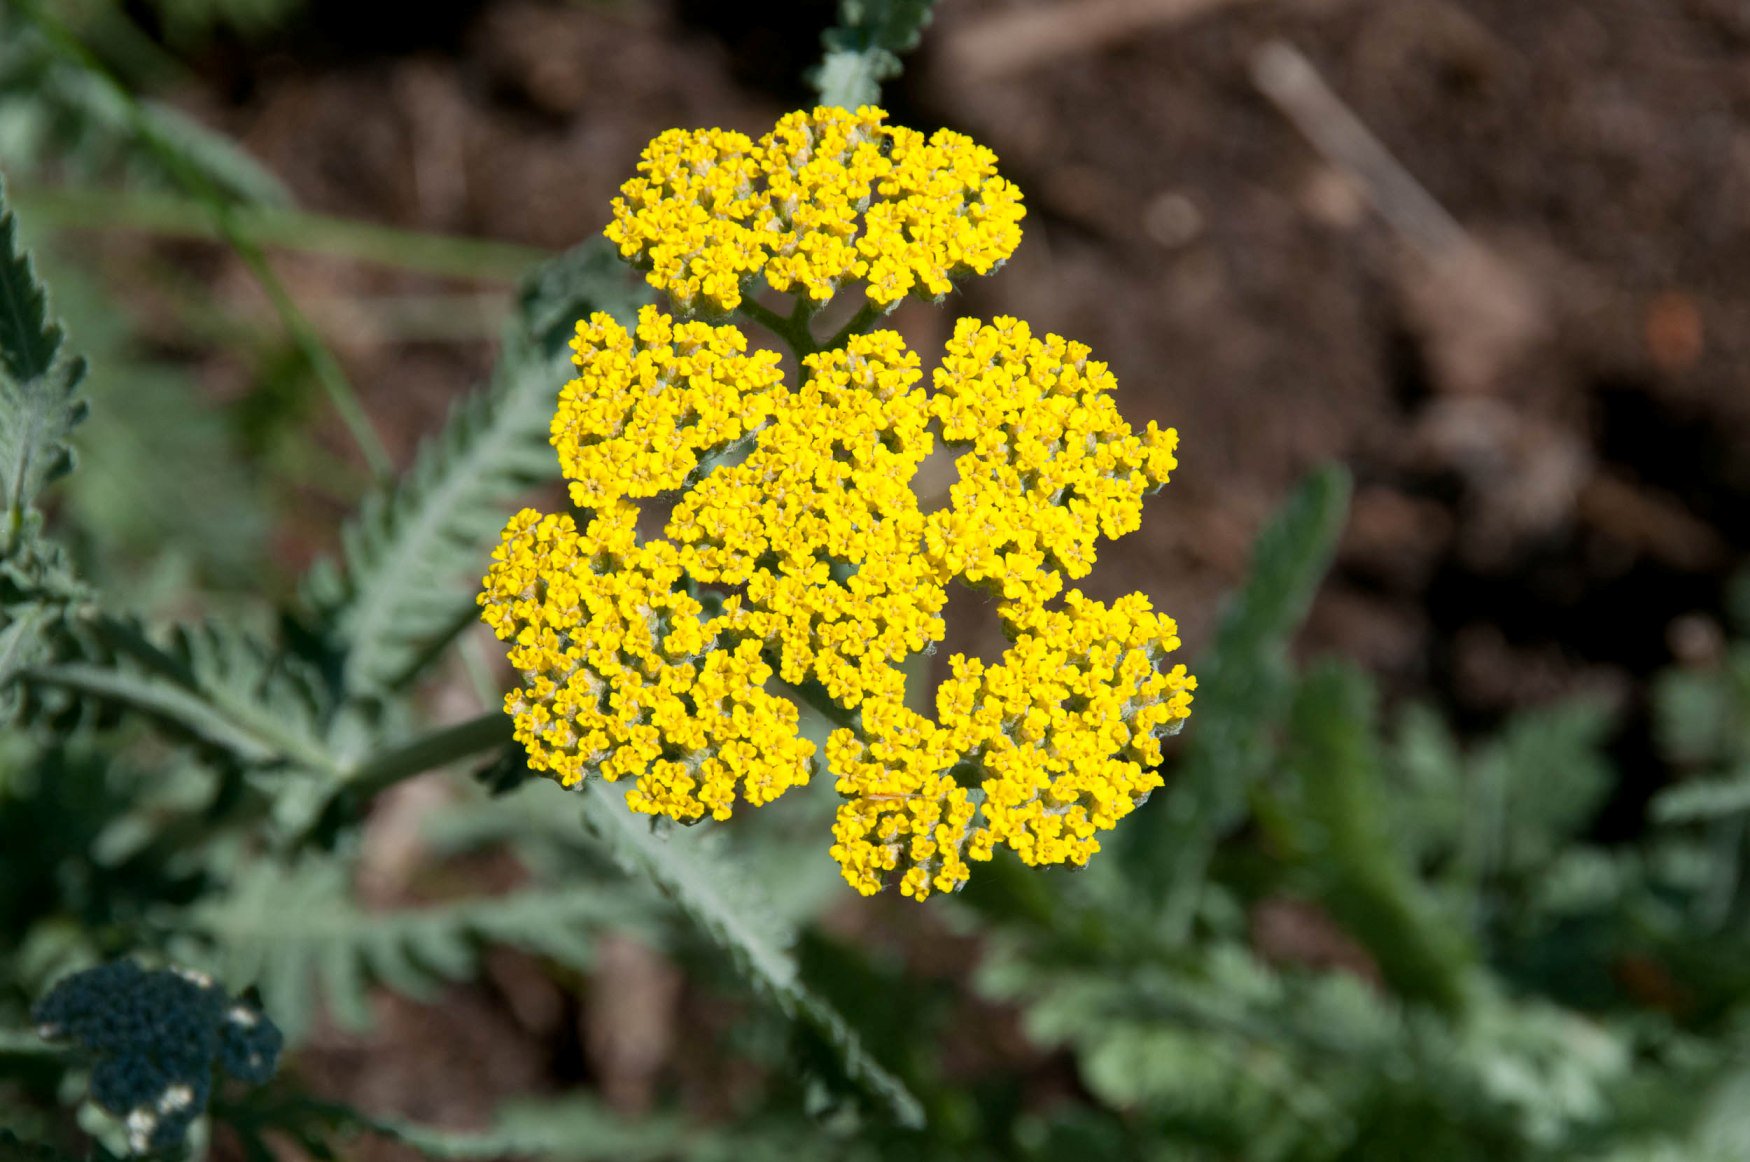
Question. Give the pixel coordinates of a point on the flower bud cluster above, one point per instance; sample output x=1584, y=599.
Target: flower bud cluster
x=155, y=1038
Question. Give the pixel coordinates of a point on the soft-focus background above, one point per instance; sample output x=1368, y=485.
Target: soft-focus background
x=1489, y=254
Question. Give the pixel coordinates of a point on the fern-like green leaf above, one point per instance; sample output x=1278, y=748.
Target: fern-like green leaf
x=413, y=556
x=1243, y=689
x=299, y=935
x=1355, y=861
x=215, y=686
x=1535, y=786
x=37, y=588
x=1703, y=799
x=573, y=1129
x=38, y=407
x=29, y=336
x=728, y=911
x=864, y=48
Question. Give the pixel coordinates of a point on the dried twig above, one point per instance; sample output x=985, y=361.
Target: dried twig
x=1012, y=42
x=1285, y=76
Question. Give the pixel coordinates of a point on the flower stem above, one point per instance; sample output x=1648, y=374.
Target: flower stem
x=442, y=745
x=309, y=344
x=26, y=1043
x=858, y=324
x=818, y=700
x=793, y=330
x=450, y=256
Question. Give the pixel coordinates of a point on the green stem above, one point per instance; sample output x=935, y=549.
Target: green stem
x=479, y=259
x=444, y=745
x=321, y=361
x=793, y=330
x=26, y=1043
x=316, y=353
x=821, y=703
x=858, y=324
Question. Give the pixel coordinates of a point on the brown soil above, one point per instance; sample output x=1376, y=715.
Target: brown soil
x=1549, y=425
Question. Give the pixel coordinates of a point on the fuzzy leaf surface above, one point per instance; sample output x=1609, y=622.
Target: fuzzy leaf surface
x=727, y=910
x=1243, y=688
x=413, y=556
x=300, y=935
x=38, y=404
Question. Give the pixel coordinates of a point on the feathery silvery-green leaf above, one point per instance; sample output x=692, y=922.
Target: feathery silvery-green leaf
x=864, y=48
x=573, y=1129
x=37, y=589
x=1702, y=799
x=298, y=933
x=1337, y=804
x=1243, y=688
x=38, y=407
x=214, y=685
x=413, y=556
x=1535, y=785
x=30, y=338
x=38, y=411
x=728, y=911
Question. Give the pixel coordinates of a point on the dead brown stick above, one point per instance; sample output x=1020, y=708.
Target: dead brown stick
x=1011, y=42
x=1284, y=75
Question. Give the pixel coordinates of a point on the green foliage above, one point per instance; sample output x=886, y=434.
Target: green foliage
x=1243, y=687
x=729, y=913
x=286, y=929
x=864, y=48
x=166, y=496
x=38, y=407
x=57, y=111
x=1703, y=720
x=412, y=558
x=1337, y=820
x=213, y=685
x=571, y=1130
x=38, y=411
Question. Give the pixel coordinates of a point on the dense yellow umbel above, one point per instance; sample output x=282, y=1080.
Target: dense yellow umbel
x=810, y=559
x=826, y=197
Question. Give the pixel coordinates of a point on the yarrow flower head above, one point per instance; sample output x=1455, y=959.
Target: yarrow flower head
x=797, y=563
x=826, y=197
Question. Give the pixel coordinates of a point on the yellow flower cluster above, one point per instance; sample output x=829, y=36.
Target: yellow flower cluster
x=621, y=677
x=826, y=196
x=1060, y=737
x=821, y=527
x=646, y=408
x=810, y=562
x=1052, y=468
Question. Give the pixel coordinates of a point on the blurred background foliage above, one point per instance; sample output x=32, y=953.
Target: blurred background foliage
x=1372, y=915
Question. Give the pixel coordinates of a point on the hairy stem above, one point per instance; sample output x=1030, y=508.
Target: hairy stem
x=857, y=325
x=443, y=745
x=793, y=330
x=26, y=1043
